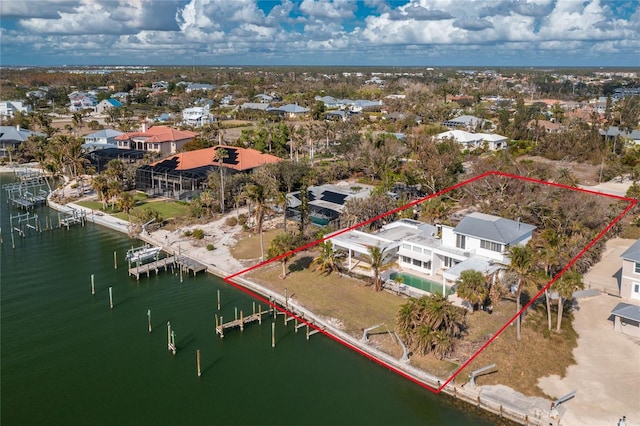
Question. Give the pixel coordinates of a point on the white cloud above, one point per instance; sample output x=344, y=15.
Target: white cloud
x=329, y=9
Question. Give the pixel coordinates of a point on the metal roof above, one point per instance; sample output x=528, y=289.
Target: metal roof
x=493, y=228
x=627, y=311
x=632, y=253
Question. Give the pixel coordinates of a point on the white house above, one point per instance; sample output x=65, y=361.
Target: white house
x=473, y=141
x=468, y=122
x=99, y=140
x=479, y=242
x=107, y=104
x=197, y=116
x=9, y=108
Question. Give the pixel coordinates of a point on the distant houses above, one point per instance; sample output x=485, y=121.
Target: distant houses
x=467, y=122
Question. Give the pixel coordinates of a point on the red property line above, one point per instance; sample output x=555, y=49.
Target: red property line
x=632, y=202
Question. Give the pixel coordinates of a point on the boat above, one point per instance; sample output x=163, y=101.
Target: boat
x=140, y=254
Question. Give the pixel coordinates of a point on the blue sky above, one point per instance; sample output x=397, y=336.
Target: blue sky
x=321, y=32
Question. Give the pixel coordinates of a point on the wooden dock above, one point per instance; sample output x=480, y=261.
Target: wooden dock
x=238, y=322
x=186, y=264
x=155, y=266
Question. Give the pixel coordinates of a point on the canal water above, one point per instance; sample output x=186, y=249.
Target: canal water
x=67, y=358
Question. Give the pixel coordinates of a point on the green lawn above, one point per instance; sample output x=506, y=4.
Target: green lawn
x=167, y=209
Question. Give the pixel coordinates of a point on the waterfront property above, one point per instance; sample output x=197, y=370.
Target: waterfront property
x=630, y=278
x=11, y=137
x=184, y=175
x=479, y=242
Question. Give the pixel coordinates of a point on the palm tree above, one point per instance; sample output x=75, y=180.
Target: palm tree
x=257, y=194
x=430, y=324
x=220, y=155
x=568, y=283
x=101, y=186
x=327, y=261
x=378, y=261
x=549, y=252
x=522, y=265
x=472, y=287
x=282, y=245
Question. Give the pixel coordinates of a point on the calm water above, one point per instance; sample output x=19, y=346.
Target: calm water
x=67, y=358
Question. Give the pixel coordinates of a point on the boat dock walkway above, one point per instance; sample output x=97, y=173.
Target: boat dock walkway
x=239, y=322
x=184, y=263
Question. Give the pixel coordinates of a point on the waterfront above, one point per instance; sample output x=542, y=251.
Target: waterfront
x=67, y=358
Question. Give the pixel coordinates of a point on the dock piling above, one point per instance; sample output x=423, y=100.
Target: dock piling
x=93, y=287
x=273, y=334
x=115, y=260
x=111, y=297
x=149, y=319
x=198, y=362
x=218, y=299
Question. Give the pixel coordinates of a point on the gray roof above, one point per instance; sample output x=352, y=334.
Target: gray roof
x=493, y=228
x=291, y=109
x=614, y=131
x=632, y=253
x=627, y=311
x=16, y=134
x=106, y=133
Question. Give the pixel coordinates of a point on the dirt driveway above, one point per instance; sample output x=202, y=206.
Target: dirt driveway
x=607, y=371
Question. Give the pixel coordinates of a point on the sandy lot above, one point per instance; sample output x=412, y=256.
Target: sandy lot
x=607, y=373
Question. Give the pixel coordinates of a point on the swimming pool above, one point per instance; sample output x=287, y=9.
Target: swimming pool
x=420, y=283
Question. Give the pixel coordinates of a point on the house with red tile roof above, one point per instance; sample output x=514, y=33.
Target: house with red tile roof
x=162, y=139
x=184, y=175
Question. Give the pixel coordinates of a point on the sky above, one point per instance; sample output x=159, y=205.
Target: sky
x=487, y=33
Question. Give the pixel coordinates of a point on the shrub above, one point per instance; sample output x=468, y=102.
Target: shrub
x=187, y=233
x=198, y=234
x=210, y=247
x=231, y=221
x=242, y=219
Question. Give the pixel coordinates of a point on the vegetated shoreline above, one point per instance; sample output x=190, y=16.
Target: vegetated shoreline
x=495, y=400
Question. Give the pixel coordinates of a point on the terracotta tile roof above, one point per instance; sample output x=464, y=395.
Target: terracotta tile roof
x=239, y=159
x=159, y=134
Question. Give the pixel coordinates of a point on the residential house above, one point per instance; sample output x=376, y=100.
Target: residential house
x=257, y=106
x=9, y=108
x=613, y=132
x=326, y=202
x=289, y=110
x=197, y=116
x=79, y=101
x=626, y=319
x=264, y=98
x=107, y=104
x=102, y=139
x=472, y=141
x=545, y=125
x=630, y=277
x=185, y=174
x=11, y=137
x=468, y=122
x=479, y=242
x=161, y=139
x=192, y=87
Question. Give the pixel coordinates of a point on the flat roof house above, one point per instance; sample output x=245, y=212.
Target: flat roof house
x=162, y=139
x=479, y=242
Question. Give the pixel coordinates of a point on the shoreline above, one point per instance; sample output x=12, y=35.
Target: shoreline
x=498, y=400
